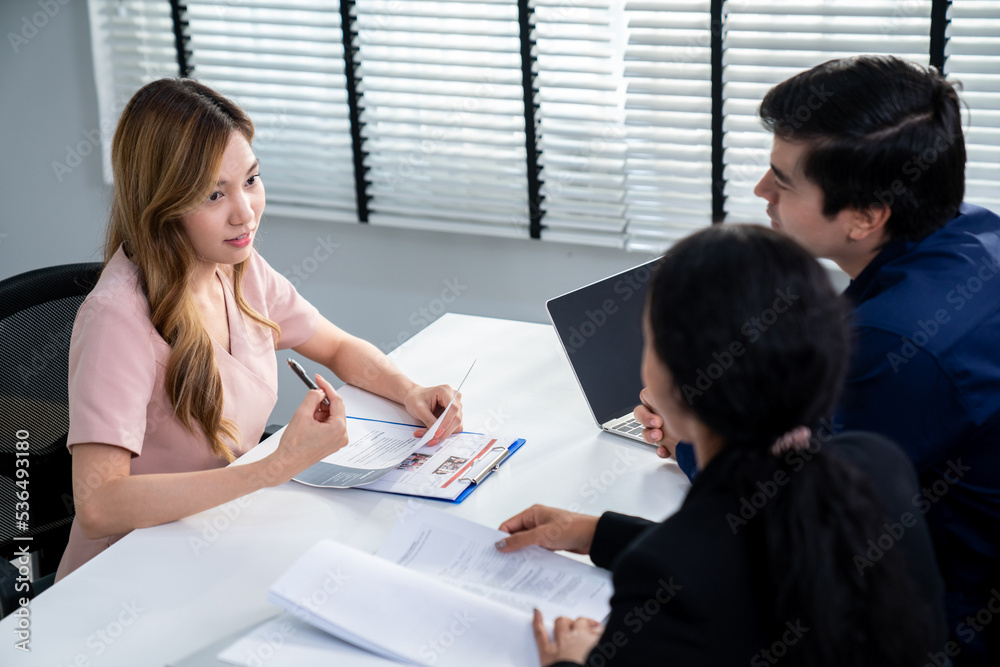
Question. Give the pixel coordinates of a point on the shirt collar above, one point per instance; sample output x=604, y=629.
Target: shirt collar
x=890, y=251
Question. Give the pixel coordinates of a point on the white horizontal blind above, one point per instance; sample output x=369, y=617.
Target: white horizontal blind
x=581, y=119
x=283, y=63
x=623, y=94
x=765, y=42
x=443, y=115
x=133, y=44
x=668, y=119
x=973, y=58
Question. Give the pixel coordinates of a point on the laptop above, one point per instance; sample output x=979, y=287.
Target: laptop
x=600, y=328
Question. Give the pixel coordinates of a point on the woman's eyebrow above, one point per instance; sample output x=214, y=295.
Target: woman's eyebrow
x=253, y=167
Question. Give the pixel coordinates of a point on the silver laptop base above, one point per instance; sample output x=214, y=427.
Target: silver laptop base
x=626, y=426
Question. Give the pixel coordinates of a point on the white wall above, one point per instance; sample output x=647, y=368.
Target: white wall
x=382, y=284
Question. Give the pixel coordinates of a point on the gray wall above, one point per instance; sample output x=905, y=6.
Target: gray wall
x=381, y=284
x=47, y=103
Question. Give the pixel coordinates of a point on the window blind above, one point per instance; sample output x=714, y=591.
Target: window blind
x=622, y=88
x=973, y=58
x=668, y=120
x=765, y=42
x=581, y=111
x=443, y=115
x=283, y=63
x=133, y=44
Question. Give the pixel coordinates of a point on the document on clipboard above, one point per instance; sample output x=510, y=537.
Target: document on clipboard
x=449, y=471
x=385, y=456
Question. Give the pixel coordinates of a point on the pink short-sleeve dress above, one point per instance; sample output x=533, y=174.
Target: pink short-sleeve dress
x=117, y=371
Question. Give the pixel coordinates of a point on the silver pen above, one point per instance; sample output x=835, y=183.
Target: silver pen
x=301, y=372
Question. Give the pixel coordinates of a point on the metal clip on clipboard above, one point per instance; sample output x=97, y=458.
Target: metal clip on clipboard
x=490, y=467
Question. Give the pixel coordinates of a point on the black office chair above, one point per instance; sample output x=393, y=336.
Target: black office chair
x=37, y=310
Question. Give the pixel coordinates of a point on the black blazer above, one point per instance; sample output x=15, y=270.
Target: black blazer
x=686, y=592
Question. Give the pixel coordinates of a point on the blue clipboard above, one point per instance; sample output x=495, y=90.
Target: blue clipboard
x=480, y=477
x=485, y=473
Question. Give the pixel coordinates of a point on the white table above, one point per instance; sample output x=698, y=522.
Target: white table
x=162, y=593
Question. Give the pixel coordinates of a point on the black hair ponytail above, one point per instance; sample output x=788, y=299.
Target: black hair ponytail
x=756, y=296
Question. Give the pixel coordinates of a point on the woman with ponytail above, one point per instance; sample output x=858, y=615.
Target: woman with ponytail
x=769, y=560
x=173, y=371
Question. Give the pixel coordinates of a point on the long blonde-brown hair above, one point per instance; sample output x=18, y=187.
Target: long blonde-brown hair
x=166, y=156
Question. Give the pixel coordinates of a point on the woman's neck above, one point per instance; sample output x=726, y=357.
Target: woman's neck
x=203, y=280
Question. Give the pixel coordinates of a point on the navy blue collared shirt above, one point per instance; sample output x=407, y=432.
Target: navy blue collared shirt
x=926, y=373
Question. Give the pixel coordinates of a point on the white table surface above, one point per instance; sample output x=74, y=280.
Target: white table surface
x=161, y=593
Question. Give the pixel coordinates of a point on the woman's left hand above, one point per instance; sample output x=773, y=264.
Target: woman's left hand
x=426, y=404
x=571, y=640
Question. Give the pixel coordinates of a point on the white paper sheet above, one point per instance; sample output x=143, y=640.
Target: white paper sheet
x=462, y=553
x=373, y=603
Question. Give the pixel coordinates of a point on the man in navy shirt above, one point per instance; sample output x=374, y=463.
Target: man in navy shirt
x=868, y=169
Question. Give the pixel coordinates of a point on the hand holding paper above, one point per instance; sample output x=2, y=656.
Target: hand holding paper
x=375, y=448
x=425, y=403
x=549, y=527
x=439, y=408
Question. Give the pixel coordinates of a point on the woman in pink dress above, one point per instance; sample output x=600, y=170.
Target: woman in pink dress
x=173, y=371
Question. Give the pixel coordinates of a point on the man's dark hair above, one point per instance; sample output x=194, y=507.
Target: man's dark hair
x=881, y=131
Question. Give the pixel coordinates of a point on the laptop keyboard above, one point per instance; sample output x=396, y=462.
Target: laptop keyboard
x=631, y=427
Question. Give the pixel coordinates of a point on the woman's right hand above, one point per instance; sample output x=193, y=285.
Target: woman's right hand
x=315, y=431
x=655, y=431
x=549, y=527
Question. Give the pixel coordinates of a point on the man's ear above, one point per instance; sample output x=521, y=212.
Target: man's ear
x=869, y=221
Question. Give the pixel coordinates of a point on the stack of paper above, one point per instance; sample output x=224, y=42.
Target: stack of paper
x=438, y=593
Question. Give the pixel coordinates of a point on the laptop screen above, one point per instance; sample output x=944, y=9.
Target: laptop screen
x=600, y=327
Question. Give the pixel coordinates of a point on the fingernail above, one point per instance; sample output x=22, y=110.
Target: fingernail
x=501, y=544
x=439, y=433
